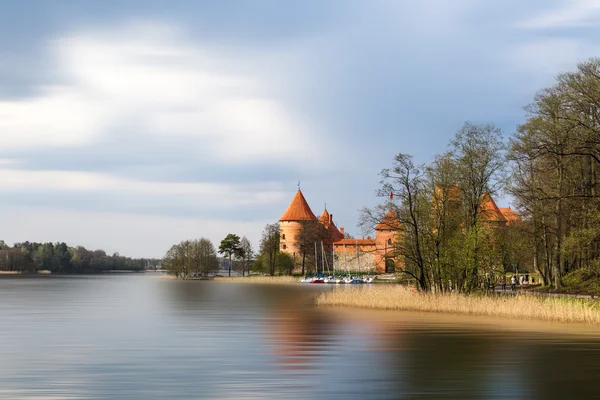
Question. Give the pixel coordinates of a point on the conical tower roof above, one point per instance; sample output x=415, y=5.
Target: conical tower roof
x=333, y=233
x=298, y=210
x=324, y=218
x=489, y=210
x=389, y=223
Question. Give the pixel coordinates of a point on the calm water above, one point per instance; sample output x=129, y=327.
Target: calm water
x=138, y=337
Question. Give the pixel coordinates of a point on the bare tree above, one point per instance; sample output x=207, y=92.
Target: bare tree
x=247, y=254
x=269, y=247
x=309, y=234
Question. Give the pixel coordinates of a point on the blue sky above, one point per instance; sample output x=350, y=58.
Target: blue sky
x=132, y=125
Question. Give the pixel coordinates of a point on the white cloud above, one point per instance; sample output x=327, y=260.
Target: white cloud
x=61, y=117
x=151, y=77
x=573, y=13
x=201, y=194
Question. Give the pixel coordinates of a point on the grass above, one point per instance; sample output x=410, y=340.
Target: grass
x=525, y=306
x=582, y=281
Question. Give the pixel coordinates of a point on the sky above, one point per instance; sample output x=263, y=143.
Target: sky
x=131, y=125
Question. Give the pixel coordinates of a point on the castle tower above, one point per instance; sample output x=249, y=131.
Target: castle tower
x=333, y=233
x=298, y=212
x=386, y=233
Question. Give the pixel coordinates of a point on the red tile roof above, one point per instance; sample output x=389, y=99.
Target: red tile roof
x=510, y=215
x=324, y=218
x=298, y=210
x=333, y=232
x=489, y=210
x=389, y=223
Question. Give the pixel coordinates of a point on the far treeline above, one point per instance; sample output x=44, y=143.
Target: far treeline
x=550, y=168
x=61, y=258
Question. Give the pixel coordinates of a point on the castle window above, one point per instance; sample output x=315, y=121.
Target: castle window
x=389, y=241
x=283, y=246
x=283, y=236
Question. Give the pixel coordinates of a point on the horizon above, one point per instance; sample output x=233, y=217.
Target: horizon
x=131, y=127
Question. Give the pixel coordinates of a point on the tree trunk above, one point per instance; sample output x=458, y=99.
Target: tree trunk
x=558, y=263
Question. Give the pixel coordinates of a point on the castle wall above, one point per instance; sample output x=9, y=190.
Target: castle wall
x=348, y=258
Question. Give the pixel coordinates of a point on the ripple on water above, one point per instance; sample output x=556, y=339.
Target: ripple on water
x=136, y=337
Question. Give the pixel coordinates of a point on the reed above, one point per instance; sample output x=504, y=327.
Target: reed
x=522, y=306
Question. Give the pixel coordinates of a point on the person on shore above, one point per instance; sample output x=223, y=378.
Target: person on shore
x=503, y=284
x=513, y=283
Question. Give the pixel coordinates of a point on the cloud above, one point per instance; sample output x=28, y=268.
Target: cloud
x=149, y=77
x=145, y=135
x=572, y=13
x=201, y=193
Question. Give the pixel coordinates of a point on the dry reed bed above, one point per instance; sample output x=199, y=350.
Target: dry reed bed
x=258, y=279
x=524, y=306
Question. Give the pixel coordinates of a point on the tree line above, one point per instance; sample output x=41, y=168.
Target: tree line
x=449, y=238
x=556, y=157
x=61, y=258
x=200, y=258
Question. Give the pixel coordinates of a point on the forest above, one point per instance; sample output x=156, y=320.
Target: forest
x=61, y=258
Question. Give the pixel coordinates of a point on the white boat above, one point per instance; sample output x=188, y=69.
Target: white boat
x=335, y=280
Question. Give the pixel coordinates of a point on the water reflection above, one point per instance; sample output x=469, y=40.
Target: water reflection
x=452, y=365
x=299, y=335
x=138, y=337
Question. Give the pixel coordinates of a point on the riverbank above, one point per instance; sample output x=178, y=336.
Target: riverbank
x=529, y=307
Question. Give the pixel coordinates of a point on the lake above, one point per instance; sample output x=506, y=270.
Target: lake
x=135, y=336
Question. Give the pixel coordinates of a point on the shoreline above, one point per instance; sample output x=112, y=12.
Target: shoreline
x=283, y=280
x=453, y=322
x=258, y=279
x=518, y=307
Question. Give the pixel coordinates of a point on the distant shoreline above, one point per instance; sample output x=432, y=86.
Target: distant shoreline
x=48, y=272
x=238, y=279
